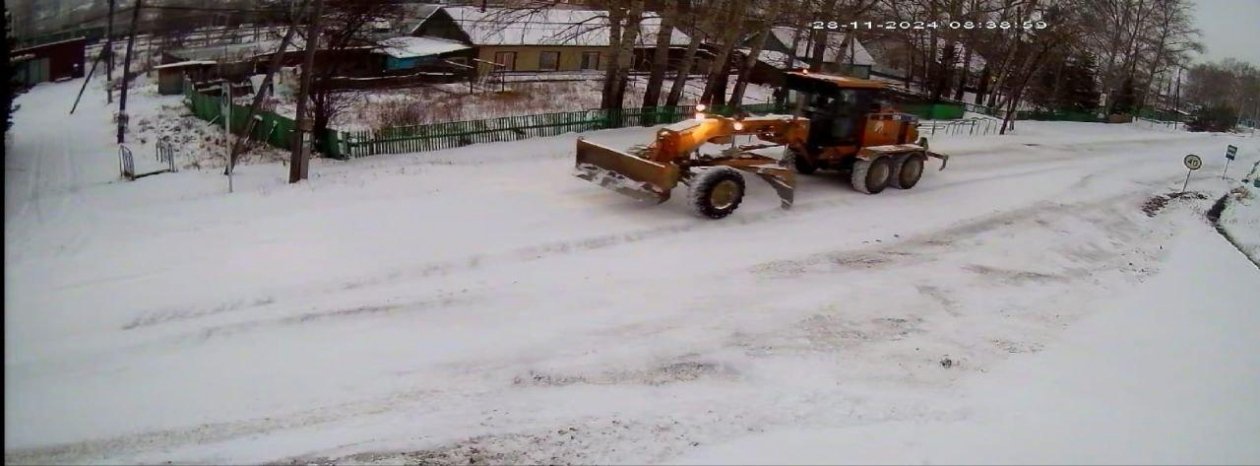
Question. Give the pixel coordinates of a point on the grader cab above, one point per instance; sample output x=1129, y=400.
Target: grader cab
x=838, y=123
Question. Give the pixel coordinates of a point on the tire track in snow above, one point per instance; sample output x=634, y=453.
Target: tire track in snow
x=527, y=254
x=829, y=332
x=884, y=255
x=98, y=450
x=927, y=245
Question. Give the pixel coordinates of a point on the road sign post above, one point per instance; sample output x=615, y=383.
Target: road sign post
x=1193, y=162
x=1230, y=152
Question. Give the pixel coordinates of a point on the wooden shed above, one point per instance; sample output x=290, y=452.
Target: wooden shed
x=171, y=75
x=55, y=61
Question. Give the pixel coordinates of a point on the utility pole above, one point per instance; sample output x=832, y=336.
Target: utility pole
x=109, y=55
x=301, y=145
x=227, y=128
x=122, y=98
x=227, y=109
x=87, y=80
x=276, y=62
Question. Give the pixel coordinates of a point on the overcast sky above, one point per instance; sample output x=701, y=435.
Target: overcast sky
x=1229, y=29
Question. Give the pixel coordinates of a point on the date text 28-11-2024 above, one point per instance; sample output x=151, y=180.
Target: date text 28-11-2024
x=923, y=25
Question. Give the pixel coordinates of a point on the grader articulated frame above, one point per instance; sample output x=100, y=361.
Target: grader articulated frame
x=653, y=172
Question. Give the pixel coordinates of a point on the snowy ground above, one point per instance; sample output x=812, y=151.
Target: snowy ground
x=482, y=305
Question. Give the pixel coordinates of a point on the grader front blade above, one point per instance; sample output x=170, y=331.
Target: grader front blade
x=782, y=179
x=633, y=176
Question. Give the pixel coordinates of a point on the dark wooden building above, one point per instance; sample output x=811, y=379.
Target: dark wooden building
x=54, y=61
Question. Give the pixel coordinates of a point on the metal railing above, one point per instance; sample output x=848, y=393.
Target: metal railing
x=126, y=162
x=165, y=152
x=963, y=127
x=1157, y=124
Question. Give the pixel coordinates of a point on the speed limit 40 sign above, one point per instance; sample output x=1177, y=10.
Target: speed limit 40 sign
x=1193, y=162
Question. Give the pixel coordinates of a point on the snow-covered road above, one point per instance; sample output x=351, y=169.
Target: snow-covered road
x=482, y=304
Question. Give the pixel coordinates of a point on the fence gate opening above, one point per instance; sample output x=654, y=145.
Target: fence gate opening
x=126, y=162
x=164, y=153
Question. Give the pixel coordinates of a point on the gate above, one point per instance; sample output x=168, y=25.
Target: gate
x=165, y=152
x=127, y=163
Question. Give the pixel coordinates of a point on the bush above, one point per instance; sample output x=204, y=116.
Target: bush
x=1215, y=118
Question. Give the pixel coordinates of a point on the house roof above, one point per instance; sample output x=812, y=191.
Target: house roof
x=832, y=54
x=843, y=81
x=776, y=59
x=419, y=13
x=48, y=44
x=242, y=51
x=185, y=64
x=410, y=47
x=552, y=26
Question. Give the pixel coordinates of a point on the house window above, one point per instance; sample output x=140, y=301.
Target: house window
x=506, y=60
x=590, y=60
x=549, y=61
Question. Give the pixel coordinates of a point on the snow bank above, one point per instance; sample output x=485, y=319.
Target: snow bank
x=1241, y=217
x=1165, y=374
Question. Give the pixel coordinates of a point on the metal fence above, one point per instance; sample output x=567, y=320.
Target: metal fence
x=126, y=164
x=1157, y=124
x=165, y=152
x=963, y=127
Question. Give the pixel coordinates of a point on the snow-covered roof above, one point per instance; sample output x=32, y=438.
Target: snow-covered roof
x=410, y=47
x=237, y=51
x=185, y=63
x=776, y=59
x=977, y=61
x=419, y=14
x=552, y=26
x=834, y=53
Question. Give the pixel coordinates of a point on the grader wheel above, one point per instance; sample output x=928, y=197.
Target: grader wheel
x=871, y=176
x=907, y=170
x=801, y=163
x=717, y=192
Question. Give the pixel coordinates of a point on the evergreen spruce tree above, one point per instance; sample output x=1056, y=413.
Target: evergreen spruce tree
x=1125, y=100
x=1079, y=91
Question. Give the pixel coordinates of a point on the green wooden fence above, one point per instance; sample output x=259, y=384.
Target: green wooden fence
x=271, y=128
x=437, y=136
x=934, y=111
x=278, y=131
x=1058, y=115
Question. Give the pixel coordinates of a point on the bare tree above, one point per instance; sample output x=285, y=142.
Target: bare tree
x=715, y=87
x=660, y=55
x=346, y=28
x=698, y=31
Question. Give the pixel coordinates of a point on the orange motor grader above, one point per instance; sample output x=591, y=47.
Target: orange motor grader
x=838, y=123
